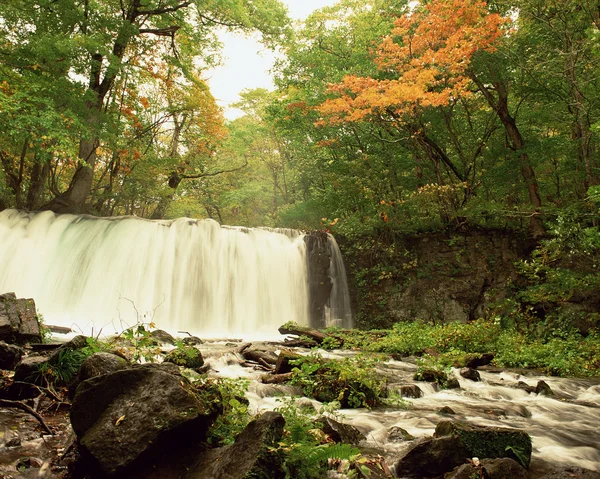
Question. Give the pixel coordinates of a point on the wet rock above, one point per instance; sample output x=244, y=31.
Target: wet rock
x=488, y=442
x=479, y=360
x=192, y=341
x=451, y=383
x=10, y=355
x=397, y=434
x=339, y=432
x=14, y=442
x=162, y=337
x=253, y=454
x=18, y=320
x=411, y=391
x=28, y=370
x=504, y=467
x=186, y=356
x=133, y=413
x=525, y=387
x=431, y=376
x=431, y=458
x=18, y=391
x=446, y=410
x=470, y=373
x=543, y=388
x=283, y=366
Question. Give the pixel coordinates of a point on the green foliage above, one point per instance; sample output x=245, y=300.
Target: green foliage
x=351, y=381
x=45, y=332
x=235, y=416
x=305, y=456
x=64, y=367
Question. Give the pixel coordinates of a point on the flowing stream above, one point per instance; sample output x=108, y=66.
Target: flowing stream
x=106, y=274
x=564, y=428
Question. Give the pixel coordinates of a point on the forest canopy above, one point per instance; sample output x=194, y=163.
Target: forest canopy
x=387, y=115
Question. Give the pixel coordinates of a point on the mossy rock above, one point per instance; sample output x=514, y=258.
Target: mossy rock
x=489, y=442
x=186, y=356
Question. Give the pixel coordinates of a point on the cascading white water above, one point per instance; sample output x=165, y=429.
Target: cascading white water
x=183, y=275
x=340, y=313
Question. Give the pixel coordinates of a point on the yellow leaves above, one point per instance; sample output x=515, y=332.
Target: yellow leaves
x=120, y=420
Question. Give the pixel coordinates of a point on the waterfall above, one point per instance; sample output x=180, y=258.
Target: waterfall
x=95, y=274
x=340, y=313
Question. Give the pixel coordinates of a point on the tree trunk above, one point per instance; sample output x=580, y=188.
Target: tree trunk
x=500, y=105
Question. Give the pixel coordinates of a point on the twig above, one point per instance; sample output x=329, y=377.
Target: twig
x=27, y=409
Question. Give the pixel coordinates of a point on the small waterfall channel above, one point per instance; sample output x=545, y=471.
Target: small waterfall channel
x=105, y=274
x=564, y=427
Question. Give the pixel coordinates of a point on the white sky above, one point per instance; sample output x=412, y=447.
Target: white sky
x=246, y=63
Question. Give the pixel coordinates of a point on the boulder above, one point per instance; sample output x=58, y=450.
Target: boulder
x=128, y=416
x=28, y=370
x=398, y=434
x=488, y=442
x=192, y=341
x=10, y=355
x=543, y=388
x=446, y=411
x=340, y=432
x=254, y=454
x=431, y=457
x=162, y=337
x=411, y=391
x=18, y=320
x=431, y=376
x=451, y=383
x=186, y=356
x=478, y=360
x=101, y=363
x=503, y=468
x=470, y=373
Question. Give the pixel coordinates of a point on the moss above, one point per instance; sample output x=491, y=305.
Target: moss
x=489, y=442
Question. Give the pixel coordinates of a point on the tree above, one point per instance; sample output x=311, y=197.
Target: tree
x=70, y=40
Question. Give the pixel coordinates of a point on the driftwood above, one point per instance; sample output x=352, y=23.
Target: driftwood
x=27, y=409
x=261, y=357
x=275, y=378
x=311, y=333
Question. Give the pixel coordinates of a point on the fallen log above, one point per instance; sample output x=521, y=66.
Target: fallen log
x=305, y=331
x=275, y=378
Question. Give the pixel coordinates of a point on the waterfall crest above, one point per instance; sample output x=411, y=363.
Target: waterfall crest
x=183, y=275
x=340, y=313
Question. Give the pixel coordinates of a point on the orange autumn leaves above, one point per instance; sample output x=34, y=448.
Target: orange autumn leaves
x=426, y=59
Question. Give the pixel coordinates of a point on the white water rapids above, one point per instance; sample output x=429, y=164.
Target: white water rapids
x=564, y=428
x=95, y=274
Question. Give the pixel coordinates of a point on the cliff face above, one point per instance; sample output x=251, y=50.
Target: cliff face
x=443, y=277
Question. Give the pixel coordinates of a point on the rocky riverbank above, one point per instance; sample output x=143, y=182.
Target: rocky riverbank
x=223, y=409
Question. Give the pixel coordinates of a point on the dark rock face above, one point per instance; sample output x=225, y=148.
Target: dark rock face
x=447, y=411
x=431, y=458
x=432, y=376
x=251, y=456
x=10, y=355
x=339, y=432
x=488, y=442
x=319, y=282
x=470, y=373
x=18, y=320
x=192, y=341
x=125, y=416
